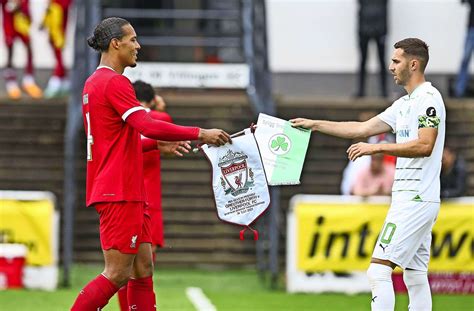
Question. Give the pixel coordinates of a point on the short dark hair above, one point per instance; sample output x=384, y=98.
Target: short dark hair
x=108, y=29
x=144, y=91
x=416, y=48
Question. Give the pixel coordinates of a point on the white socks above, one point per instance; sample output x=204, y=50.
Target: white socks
x=418, y=290
x=383, y=294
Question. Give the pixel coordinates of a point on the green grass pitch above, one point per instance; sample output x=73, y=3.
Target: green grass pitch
x=228, y=290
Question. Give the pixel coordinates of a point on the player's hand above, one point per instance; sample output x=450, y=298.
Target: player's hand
x=215, y=137
x=301, y=122
x=177, y=148
x=357, y=150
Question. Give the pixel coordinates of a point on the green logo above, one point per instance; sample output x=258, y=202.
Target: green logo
x=280, y=144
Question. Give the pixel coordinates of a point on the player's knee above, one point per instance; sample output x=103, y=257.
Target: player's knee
x=142, y=267
x=118, y=275
x=379, y=273
x=415, y=277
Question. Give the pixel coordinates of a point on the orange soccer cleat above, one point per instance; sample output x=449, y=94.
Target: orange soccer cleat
x=32, y=89
x=13, y=90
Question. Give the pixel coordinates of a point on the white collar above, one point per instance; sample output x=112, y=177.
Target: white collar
x=100, y=67
x=419, y=88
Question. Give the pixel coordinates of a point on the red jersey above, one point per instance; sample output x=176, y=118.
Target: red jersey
x=152, y=172
x=114, y=148
x=152, y=168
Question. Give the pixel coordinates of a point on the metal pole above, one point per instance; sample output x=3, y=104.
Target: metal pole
x=249, y=54
x=259, y=92
x=274, y=233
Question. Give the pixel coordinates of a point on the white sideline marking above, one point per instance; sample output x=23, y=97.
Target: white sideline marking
x=199, y=299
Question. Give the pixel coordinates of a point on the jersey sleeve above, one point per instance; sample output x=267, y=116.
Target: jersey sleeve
x=162, y=116
x=389, y=116
x=429, y=113
x=120, y=94
x=148, y=144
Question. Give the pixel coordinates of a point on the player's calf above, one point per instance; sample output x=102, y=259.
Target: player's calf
x=380, y=280
x=418, y=287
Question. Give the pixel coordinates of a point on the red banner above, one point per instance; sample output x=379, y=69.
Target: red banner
x=441, y=283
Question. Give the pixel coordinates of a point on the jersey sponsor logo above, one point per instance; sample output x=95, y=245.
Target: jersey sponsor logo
x=431, y=112
x=237, y=177
x=85, y=99
x=383, y=248
x=134, y=241
x=403, y=133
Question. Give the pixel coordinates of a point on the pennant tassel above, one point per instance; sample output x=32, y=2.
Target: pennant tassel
x=242, y=233
x=254, y=231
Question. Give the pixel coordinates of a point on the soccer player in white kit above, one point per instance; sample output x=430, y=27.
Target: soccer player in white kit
x=418, y=120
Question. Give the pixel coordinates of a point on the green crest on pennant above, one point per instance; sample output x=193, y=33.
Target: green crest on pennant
x=279, y=144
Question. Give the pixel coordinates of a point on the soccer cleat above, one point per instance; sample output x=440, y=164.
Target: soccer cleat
x=33, y=90
x=53, y=89
x=57, y=87
x=13, y=90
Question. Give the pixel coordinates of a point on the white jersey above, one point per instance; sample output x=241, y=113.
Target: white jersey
x=417, y=179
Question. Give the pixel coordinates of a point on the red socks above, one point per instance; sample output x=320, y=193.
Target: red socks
x=122, y=298
x=95, y=295
x=59, y=70
x=140, y=294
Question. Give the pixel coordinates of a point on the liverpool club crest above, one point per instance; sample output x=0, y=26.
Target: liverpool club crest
x=236, y=177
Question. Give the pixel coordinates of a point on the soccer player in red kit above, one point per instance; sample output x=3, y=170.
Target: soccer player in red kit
x=55, y=22
x=16, y=23
x=114, y=120
x=152, y=173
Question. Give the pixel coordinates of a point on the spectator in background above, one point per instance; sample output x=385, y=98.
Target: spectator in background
x=463, y=75
x=16, y=24
x=55, y=22
x=453, y=174
x=376, y=179
x=372, y=26
x=353, y=168
x=152, y=174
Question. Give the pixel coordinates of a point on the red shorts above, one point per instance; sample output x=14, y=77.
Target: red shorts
x=123, y=225
x=157, y=232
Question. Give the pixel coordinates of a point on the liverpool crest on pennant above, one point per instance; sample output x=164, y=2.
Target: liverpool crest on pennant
x=236, y=177
x=238, y=181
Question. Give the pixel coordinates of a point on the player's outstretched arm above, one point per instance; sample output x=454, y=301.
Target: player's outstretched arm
x=417, y=148
x=167, y=148
x=160, y=130
x=174, y=148
x=214, y=137
x=348, y=129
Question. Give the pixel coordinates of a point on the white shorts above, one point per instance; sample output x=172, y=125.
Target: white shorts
x=405, y=238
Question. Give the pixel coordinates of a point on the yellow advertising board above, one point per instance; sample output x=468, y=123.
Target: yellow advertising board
x=340, y=235
x=29, y=222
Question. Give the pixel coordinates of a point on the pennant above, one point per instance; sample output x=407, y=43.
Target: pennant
x=282, y=148
x=238, y=181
